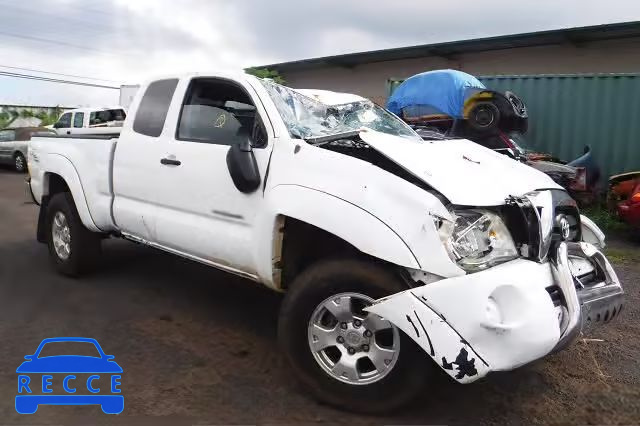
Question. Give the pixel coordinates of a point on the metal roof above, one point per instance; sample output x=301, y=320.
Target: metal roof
x=575, y=36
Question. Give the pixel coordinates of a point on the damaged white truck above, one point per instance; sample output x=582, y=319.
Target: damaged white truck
x=396, y=254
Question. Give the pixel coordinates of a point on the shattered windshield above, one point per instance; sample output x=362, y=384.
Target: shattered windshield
x=308, y=118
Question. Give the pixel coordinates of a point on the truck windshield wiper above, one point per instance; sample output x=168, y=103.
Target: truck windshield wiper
x=318, y=140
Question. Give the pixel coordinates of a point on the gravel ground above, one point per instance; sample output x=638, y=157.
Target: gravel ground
x=198, y=346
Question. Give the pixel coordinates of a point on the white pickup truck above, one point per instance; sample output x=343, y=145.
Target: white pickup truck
x=390, y=249
x=91, y=121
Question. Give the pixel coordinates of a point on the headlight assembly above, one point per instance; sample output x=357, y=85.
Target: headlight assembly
x=476, y=239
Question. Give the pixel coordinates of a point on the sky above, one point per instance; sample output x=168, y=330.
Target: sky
x=130, y=41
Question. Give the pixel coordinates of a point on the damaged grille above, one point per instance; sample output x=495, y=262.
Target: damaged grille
x=538, y=220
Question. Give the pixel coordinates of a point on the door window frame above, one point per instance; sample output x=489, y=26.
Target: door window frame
x=187, y=94
x=70, y=120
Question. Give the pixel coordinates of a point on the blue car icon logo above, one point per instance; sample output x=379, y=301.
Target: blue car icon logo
x=84, y=380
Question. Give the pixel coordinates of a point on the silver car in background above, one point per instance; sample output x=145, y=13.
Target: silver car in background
x=14, y=145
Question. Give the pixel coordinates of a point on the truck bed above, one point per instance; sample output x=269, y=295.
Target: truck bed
x=86, y=162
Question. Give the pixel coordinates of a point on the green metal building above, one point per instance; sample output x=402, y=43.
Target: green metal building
x=568, y=112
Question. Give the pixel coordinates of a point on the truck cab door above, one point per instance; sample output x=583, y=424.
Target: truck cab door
x=201, y=212
x=137, y=189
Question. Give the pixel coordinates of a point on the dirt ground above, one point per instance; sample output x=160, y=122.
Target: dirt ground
x=198, y=346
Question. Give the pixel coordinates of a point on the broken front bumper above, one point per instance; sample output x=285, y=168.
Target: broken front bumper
x=508, y=315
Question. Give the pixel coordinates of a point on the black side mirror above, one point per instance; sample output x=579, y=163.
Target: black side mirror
x=243, y=167
x=57, y=125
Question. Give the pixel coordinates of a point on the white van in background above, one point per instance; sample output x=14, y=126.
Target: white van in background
x=83, y=121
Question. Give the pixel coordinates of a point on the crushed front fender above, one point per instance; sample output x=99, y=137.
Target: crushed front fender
x=430, y=330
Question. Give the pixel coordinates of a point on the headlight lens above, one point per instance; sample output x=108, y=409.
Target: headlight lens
x=477, y=239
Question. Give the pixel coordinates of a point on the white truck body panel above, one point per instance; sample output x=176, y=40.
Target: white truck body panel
x=85, y=164
x=128, y=94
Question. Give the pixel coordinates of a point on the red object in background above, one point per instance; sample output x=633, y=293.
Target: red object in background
x=629, y=209
x=579, y=183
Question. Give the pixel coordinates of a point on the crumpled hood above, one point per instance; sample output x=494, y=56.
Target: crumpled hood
x=463, y=171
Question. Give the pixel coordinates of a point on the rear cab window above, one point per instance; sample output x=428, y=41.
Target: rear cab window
x=97, y=118
x=154, y=106
x=78, y=119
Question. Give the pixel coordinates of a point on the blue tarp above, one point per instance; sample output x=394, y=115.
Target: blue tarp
x=443, y=91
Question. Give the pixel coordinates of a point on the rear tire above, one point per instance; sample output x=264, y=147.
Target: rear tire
x=20, y=164
x=73, y=249
x=484, y=117
x=323, y=281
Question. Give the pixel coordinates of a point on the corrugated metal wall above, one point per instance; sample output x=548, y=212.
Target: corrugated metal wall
x=568, y=112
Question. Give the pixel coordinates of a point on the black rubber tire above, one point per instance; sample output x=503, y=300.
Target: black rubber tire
x=320, y=281
x=85, y=245
x=15, y=163
x=487, y=108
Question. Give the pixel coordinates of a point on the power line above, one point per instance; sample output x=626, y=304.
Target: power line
x=58, y=73
x=56, y=17
x=55, y=80
x=62, y=43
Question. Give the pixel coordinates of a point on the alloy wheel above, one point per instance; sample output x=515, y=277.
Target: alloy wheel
x=350, y=344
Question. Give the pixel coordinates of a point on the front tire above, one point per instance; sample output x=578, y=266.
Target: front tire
x=73, y=249
x=343, y=355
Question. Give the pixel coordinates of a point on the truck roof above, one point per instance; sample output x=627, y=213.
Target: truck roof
x=92, y=109
x=327, y=97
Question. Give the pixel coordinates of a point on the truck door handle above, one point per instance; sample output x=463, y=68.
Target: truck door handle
x=170, y=162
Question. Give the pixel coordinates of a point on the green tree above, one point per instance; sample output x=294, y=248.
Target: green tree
x=5, y=118
x=266, y=73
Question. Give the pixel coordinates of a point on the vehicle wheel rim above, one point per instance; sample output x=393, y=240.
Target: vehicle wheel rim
x=61, y=236
x=19, y=163
x=352, y=345
x=484, y=117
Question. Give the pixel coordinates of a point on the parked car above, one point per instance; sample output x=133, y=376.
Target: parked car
x=84, y=121
x=14, y=145
x=624, y=197
x=579, y=177
x=390, y=249
x=457, y=104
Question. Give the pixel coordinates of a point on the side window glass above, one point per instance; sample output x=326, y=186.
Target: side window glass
x=78, y=119
x=216, y=111
x=153, y=108
x=64, y=121
x=118, y=115
x=7, y=135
